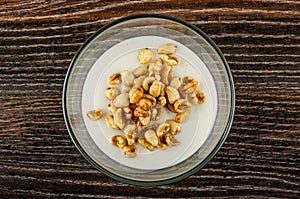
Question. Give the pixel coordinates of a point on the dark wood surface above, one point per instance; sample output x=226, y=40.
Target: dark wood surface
x=261, y=41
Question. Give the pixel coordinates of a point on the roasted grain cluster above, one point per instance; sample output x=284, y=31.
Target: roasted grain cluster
x=148, y=91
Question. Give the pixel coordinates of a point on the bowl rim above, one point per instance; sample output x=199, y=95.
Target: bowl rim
x=192, y=170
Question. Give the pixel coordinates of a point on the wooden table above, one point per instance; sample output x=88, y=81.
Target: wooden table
x=261, y=41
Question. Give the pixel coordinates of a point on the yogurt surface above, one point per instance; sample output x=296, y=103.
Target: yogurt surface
x=194, y=132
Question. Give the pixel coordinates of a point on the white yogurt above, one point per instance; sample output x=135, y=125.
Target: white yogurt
x=194, y=132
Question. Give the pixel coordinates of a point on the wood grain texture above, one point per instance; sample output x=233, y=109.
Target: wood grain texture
x=259, y=38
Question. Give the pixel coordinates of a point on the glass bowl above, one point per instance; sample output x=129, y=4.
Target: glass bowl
x=107, y=51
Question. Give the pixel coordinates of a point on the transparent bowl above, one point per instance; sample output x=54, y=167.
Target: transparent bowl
x=147, y=26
